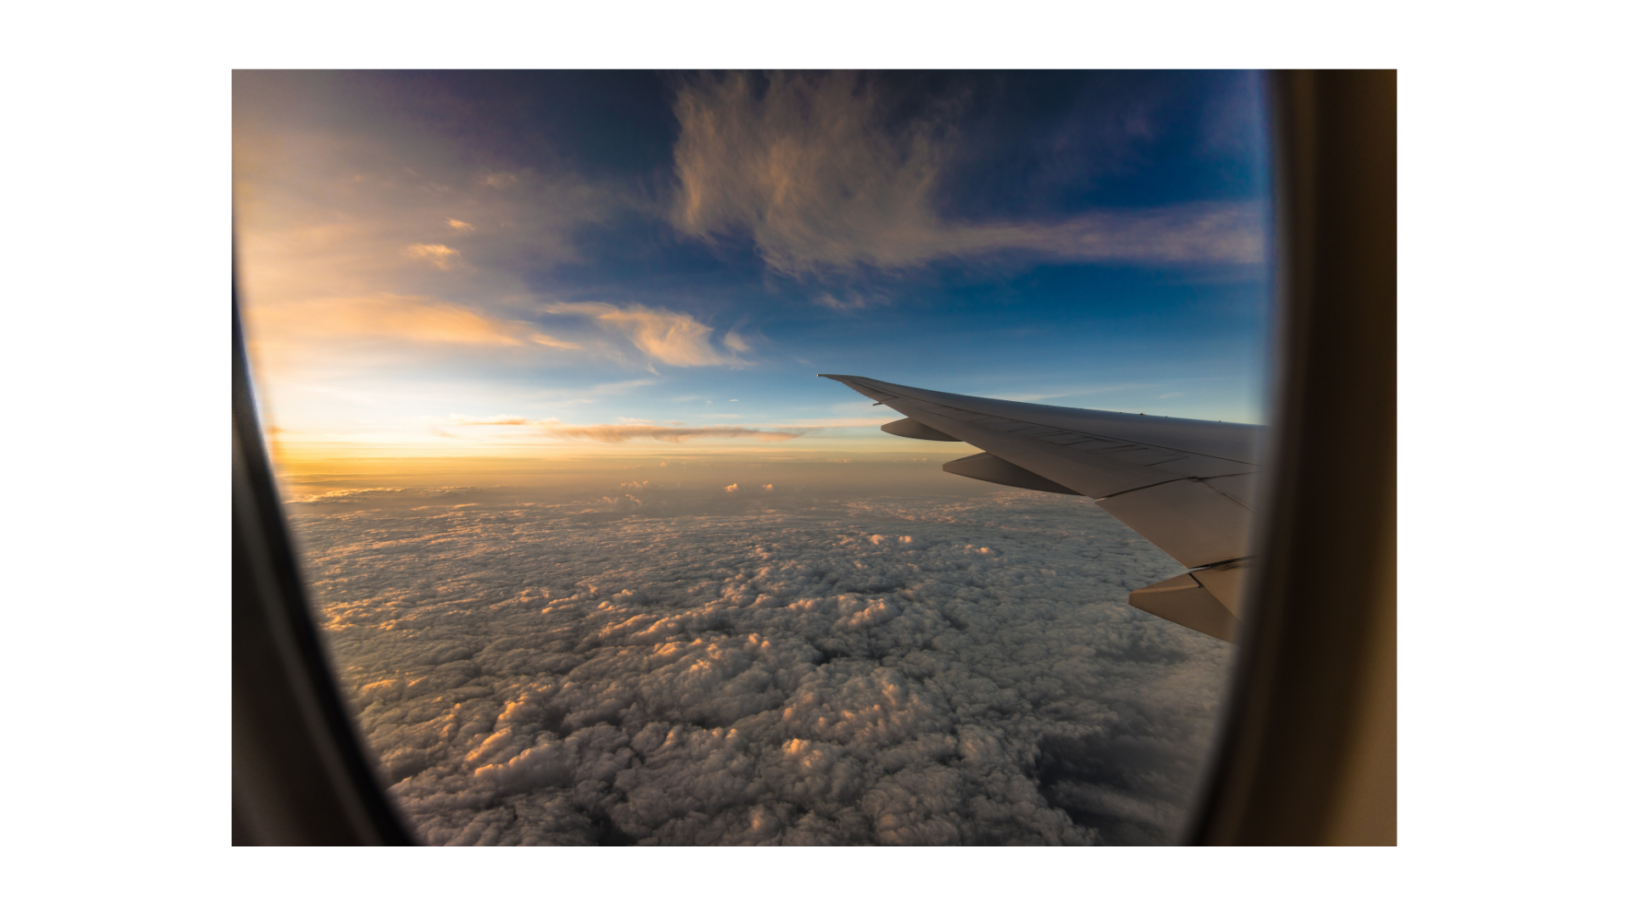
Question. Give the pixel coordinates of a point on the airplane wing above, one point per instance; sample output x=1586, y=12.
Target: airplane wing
x=1186, y=485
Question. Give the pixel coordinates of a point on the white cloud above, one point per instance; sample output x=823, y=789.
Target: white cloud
x=459, y=225
x=441, y=256
x=671, y=337
x=819, y=175
x=500, y=180
x=695, y=667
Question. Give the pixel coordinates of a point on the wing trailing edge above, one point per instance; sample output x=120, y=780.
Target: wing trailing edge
x=1183, y=600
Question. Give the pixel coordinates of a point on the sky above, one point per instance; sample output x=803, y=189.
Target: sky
x=589, y=264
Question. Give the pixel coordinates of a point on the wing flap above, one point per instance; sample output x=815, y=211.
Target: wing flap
x=1225, y=581
x=915, y=429
x=1183, y=600
x=987, y=467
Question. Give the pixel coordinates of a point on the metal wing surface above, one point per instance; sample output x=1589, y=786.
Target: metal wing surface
x=1188, y=486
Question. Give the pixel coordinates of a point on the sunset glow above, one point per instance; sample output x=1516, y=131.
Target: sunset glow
x=632, y=264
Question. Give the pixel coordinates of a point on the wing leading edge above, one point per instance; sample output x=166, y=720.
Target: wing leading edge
x=1188, y=486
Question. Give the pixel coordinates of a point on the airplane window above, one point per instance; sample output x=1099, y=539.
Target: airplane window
x=597, y=555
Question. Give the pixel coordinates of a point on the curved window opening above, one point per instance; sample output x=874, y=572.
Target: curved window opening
x=596, y=555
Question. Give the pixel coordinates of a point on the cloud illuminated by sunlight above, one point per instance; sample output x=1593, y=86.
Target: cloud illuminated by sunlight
x=623, y=432
x=415, y=318
x=547, y=341
x=672, y=337
x=441, y=256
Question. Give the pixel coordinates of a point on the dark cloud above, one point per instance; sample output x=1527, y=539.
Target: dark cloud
x=685, y=668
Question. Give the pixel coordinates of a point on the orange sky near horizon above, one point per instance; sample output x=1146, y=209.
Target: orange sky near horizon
x=419, y=277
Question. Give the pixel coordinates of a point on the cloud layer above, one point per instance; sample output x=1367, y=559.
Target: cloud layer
x=818, y=173
x=762, y=666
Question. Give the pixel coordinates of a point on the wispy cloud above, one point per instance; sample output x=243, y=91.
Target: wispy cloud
x=837, y=423
x=441, y=256
x=505, y=420
x=623, y=432
x=671, y=337
x=547, y=341
x=414, y=318
x=849, y=303
x=594, y=392
x=614, y=388
x=813, y=170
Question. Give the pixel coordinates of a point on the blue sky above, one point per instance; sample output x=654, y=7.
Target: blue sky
x=469, y=262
